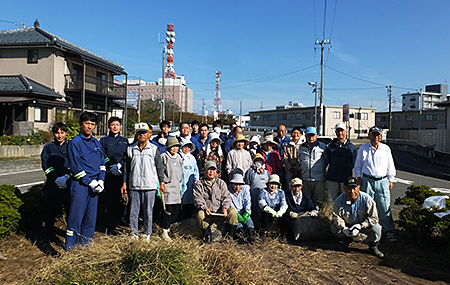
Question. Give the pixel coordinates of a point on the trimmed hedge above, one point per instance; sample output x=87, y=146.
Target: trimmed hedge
x=9, y=210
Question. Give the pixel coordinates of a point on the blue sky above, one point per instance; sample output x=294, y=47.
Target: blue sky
x=264, y=49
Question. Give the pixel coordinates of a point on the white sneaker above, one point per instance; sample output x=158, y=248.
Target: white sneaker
x=135, y=237
x=147, y=237
x=165, y=235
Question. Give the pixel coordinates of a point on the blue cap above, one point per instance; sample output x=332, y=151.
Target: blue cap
x=311, y=130
x=375, y=129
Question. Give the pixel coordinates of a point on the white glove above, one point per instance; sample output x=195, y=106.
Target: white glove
x=269, y=210
x=100, y=187
x=93, y=184
x=355, y=232
x=347, y=231
x=115, y=169
x=61, y=182
x=314, y=213
x=293, y=215
x=356, y=226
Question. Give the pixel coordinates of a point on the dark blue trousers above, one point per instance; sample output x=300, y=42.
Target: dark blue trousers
x=83, y=215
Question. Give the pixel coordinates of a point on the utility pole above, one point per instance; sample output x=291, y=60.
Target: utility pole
x=139, y=101
x=389, y=90
x=420, y=108
x=203, y=110
x=163, y=100
x=322, y=47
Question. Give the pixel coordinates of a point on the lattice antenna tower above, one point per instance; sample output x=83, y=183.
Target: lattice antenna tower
x=217, y=103
x=169, y=72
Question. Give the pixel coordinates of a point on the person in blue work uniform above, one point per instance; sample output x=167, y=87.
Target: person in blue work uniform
x=55, y=163
x=114, y=147
x=161, y=139
x=195, y=129
x=87, y=166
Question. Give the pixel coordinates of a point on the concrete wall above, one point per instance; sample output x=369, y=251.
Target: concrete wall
x=20, y=150
x=440, y=157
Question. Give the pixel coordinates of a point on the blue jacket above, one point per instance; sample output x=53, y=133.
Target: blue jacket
x=86, y=159
x=190, y=175
x=306, y=204
x=161, y=147
x=55, y=160
x=114, y=149
x=281, y=143
x=227, y=145
x=341, y=159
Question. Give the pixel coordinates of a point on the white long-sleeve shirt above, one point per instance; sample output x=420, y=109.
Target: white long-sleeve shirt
x=375, y=162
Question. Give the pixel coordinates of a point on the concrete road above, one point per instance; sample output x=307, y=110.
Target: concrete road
x=22, y=172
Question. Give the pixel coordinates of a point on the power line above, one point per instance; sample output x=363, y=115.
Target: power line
x=362, y=88
x=324, y=18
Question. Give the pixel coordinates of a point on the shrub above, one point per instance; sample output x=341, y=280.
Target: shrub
x=421, y=223
x=9, y=210
x=35, y=138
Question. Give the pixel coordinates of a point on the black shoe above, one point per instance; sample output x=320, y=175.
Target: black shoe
x=251, y=235
x=373, y=249
x=231, y=231
x=208, y=237
x=344, y=244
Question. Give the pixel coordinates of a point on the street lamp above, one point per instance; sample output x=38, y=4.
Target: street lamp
x=314, y=84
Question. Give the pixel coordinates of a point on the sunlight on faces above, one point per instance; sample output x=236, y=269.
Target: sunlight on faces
x=185, y=130
x=341, y=134
x=296, y=189
x=87, y=128
x=214, y=143
x=236, y=187
x=115, y=127
x=267, y=147
x=173, y=150
x=375, y=138
x=211, y=173
x=311, y=138
x=204, y=131
x=142, y=136
x=273, y=187
x=239, y=131
x=352, y=192
x=240, y=145
x=296, y=135
x=165, y=129
x=186, y=149
x=195, y=128
x=281, y=131
x=60, y=136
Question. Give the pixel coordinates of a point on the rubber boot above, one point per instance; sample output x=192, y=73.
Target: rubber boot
x=344, y=244
x=208, y=237
x=251, y=235
x=231, y=231
x=373, y=249
x=165, y=235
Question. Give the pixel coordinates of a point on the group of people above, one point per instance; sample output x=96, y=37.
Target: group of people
x=249, y=185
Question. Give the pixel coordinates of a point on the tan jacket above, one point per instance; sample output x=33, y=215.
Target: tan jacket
x=291, y=161
x=215, y=197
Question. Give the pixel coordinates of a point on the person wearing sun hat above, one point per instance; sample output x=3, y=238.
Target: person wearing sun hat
x=271, y=157
x=173, y=175
x=190, y=176
x=241, y=201
x=256, y=177
x=355, y=212
x=212, y=151
x=312, y=161
x=375, y=170
x=272, y=202
x=238, y=157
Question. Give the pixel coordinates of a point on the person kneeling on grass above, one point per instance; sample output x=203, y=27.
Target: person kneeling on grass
x=356, y=212
x=272, y=201
x=241, y=201
x=299, y=205
x=213, y=202
x=173, y=175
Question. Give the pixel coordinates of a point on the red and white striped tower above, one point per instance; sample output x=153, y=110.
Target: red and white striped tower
x=169, y=72
x=217, y=103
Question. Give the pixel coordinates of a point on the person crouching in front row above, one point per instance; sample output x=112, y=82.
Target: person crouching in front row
x=272, y=201
x=241, y=201
x=213, y=202
x=356, y=212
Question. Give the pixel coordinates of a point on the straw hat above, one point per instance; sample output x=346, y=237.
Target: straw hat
x=258, y=156
x=240, y=138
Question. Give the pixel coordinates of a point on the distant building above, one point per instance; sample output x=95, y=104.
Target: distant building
x=43, y=74
x=412, y=120
x=174, y=90
x=433, y=94
x=297, y=115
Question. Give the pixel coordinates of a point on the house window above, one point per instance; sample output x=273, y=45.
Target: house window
x=40, y=114
x=282, y=117
x=397, y=118
x=20, y=113
x=268, y=117
x=307, y=115
x=336, y=115
x=33, y=56
x=436, y=117
x=298, y=116
x=364, y=116
x=409, y=118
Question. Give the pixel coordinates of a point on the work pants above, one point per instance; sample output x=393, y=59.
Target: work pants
x=53, y=197
x=334, y=189
x=379, y=191
x=315, y=190
x=205, y=221
x=167, y=220
x=146, y=199
x=83, y=215
x=113, y=197
x=373, y=233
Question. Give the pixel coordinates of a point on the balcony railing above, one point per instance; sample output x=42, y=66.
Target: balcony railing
x=74, y=82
